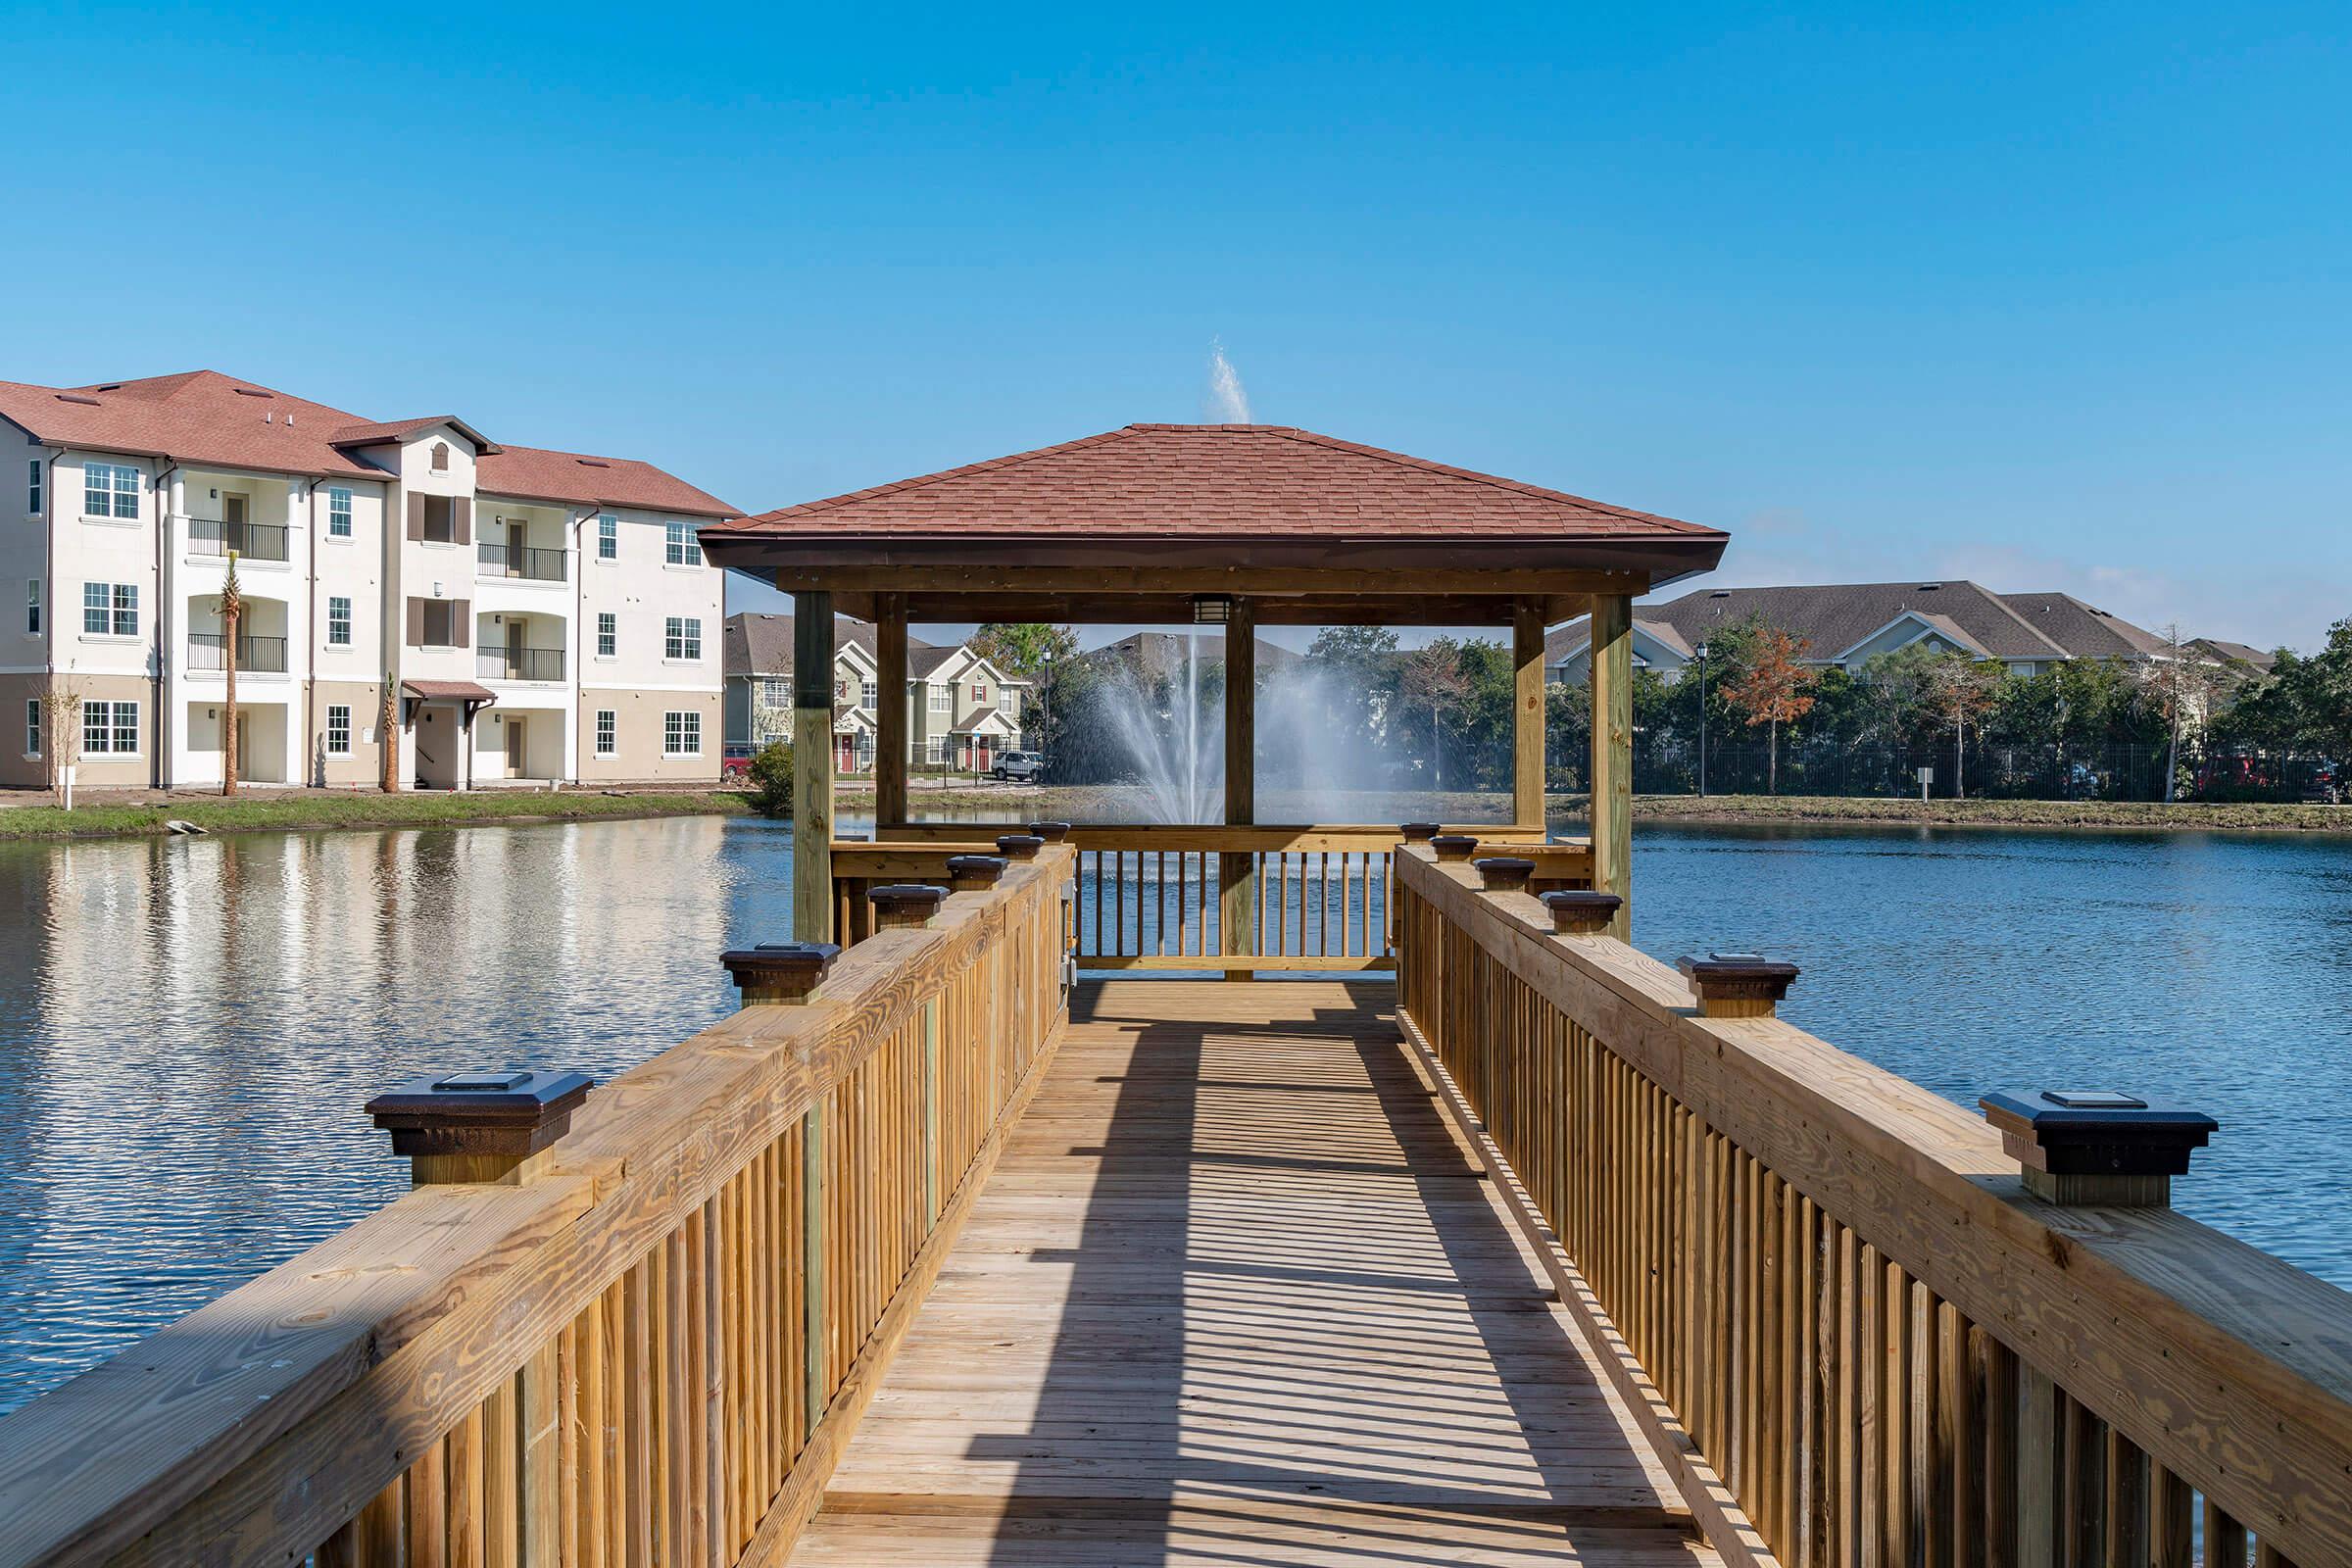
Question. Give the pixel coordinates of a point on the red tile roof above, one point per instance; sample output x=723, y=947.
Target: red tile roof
x=1253, y=481
x=206, y=417
x=454, y=691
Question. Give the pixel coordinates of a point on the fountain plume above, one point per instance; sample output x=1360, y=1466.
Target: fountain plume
x=1226, y=403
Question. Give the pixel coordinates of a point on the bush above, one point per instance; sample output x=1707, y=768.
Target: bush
x=771, y=778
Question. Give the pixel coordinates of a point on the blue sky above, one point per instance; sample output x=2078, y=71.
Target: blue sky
x=2054, y=297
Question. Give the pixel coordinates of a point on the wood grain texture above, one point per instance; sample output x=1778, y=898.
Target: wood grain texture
x=1236, y=1292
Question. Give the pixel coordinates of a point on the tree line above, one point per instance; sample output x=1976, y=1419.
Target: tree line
x=1440, y=715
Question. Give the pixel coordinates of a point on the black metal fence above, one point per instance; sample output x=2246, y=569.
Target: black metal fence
x=1668, y=766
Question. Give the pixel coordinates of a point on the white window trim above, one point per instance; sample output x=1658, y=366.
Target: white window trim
x=350, y=514
x=670, y=755
x=599, y=555
x=605, y=744
x=138, y=726
x=330, y=737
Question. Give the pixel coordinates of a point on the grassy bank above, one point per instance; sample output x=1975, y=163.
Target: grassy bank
x=1991, y=814
x=331, y=810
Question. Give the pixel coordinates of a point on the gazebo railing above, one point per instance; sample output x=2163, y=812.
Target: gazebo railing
x=1150, y=896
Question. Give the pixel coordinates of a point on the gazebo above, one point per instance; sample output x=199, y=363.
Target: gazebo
x=1240, y=524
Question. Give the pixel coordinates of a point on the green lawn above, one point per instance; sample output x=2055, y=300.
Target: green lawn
x=1993, y=813
x=324, y=810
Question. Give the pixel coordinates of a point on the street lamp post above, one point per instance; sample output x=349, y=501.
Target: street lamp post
x=1044, y=720
x=1702, y=721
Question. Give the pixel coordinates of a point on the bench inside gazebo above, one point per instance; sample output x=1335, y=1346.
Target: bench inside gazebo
x=1483, y=1237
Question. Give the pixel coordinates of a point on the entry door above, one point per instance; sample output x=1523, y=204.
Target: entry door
x=232, y=521
x=516, y=736
x=244, y=746
x=514, y=647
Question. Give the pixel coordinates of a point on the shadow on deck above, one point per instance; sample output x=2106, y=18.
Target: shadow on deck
x=1237, y=1294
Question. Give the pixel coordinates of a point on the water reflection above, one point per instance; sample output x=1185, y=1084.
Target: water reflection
x=189, y=1027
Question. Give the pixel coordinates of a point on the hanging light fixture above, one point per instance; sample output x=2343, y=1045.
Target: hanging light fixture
x=1213, y=610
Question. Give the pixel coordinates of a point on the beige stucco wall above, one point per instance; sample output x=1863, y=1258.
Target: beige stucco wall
x=637, y=727
x=364, y=700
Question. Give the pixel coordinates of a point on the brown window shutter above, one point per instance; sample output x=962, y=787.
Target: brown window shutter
x=460, y=520
x=461, y=621
x=416, y=619
x=416, y=517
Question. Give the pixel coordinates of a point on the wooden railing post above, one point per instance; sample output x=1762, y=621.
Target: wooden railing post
x=478, y=1126
x=1738, y=985
x=1453, y=847
x=2097, y=1147
x=975, y=873
x=1020, y=845
x=781, y=971
x=1576, y=911
x=1504, y=873
x=906, y=905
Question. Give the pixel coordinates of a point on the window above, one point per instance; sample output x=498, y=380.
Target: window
x=941, y=699
x=33, y=727
x=436, y=622
x=841, y=688
x=607, y=537
x=683, y=550
x=110, y=490
x=35, y=500
x=33, y=607
x=870, y=694
x=979, y=690
x=110, y=729
x=338, y=622
x=110, y=609
x=338, y=513
x=681, y=734
x=608, y=634
x=440, y=457
x=683, y=639
x=1009, y=700
x=776, y=691
x=338, y=730
x=440, y=519
x=936, y=749
x=608, y=727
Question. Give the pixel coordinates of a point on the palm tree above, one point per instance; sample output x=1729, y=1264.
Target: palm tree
x=232, y=611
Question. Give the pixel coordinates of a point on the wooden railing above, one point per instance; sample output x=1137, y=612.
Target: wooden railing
x=647, y=1347
x=1835, y=1308
x=1148, y=895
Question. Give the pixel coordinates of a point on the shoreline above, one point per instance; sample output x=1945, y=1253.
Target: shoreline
x=308, y=812
x=2186, y=816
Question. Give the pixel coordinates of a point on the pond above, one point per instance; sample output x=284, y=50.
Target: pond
x=188, y=1028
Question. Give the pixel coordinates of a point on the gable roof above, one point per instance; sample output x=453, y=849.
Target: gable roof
x=203, y=417
x=1836, y=618
x=1567, y=641
x=761, y=645
x=1188, y=480
x=1159, y=654
x=2238, y=652
x=2080, y=629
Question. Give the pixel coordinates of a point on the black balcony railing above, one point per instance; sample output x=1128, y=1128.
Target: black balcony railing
x=518, y=560
x=255, y=541
x=263, y=655
x=519, y=663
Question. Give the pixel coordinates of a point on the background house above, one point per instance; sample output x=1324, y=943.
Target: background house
x=1847, y=625
x=963, y=712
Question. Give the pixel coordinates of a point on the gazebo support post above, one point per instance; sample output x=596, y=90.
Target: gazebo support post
x=812, y=766
x=1527, y=731
x=1612, y=811
x=890, y=714
x=1237, y=880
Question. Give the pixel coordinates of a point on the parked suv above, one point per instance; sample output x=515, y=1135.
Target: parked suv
x=1022, y=766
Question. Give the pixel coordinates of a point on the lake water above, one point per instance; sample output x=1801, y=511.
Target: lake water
x=188, y=1028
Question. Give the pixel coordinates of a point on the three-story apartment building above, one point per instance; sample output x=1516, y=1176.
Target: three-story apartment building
x=534, y=614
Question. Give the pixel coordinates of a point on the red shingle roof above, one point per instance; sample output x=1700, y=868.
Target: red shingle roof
x=535, y=475
x=203, y=417
x=1231, y=480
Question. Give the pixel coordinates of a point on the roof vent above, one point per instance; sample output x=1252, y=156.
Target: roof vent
x=1721, y=593
x=112, y=386
x=1929, y=587
x=250, y=392
x=76, y=397
x=592, y=463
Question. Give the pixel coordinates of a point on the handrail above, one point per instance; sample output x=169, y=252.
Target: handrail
x=257, y=541
x=704, y=1277
x=537, y=563
x=497, y=662
x=264, y=656
x=1149, y=894
x=1834, y=1286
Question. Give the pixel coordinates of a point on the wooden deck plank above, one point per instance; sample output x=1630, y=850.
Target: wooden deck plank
x=1237, y=1294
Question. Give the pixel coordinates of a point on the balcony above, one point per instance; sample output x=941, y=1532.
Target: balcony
x=254, y=540
x=518, y=560
x=261, y=656
x=519, y=663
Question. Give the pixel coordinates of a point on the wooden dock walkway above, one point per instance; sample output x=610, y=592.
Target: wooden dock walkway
x=1237, y=1294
